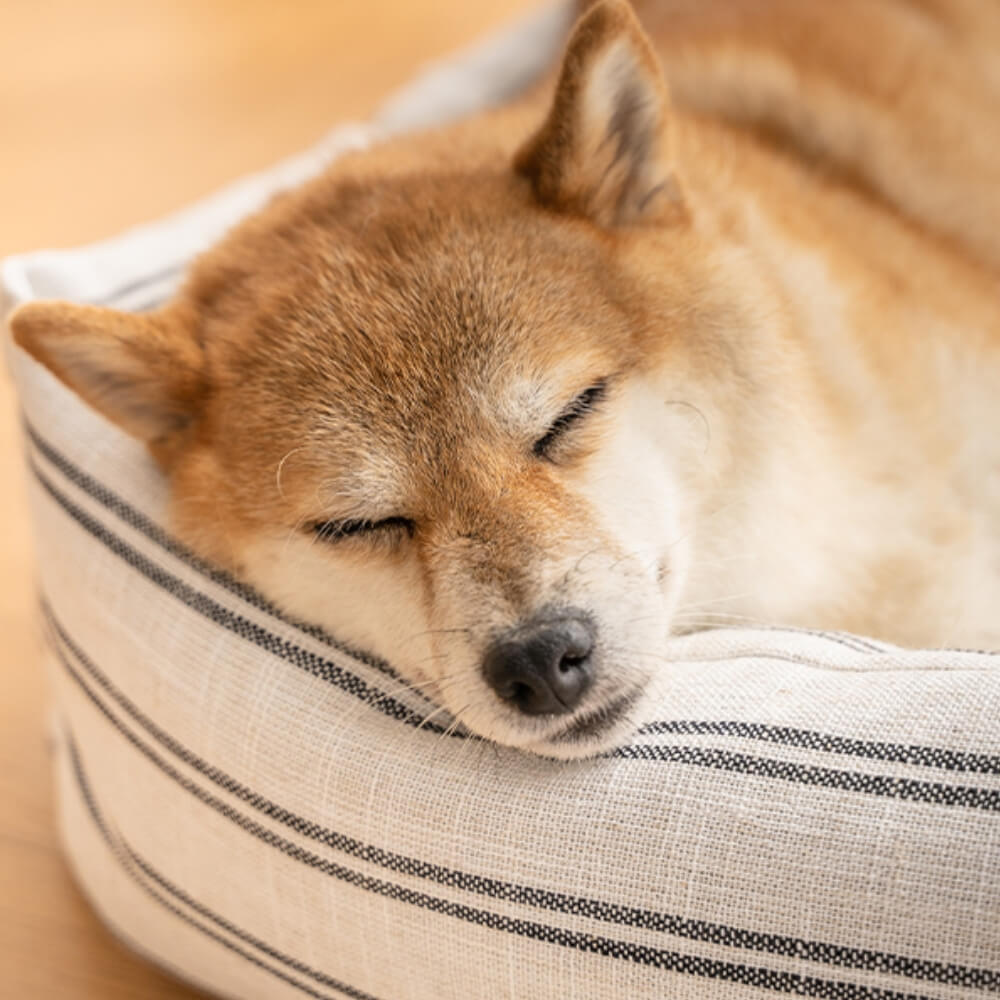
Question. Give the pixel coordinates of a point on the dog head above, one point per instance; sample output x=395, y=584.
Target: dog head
x=428, y=400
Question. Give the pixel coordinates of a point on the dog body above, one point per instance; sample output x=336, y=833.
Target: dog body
x=549, y=384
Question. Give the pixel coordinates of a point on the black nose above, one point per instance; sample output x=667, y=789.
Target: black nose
x=543, y=666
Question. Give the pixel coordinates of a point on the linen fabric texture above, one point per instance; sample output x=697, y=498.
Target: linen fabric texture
x=271, y=814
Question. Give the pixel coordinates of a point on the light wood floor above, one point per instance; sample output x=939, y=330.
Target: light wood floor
x=111, y=113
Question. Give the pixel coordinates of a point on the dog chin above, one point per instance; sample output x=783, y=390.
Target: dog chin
x=590, y=733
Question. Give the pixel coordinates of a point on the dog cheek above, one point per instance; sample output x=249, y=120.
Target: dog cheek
x=375, y=607
x=636, y=499
x=638, y=504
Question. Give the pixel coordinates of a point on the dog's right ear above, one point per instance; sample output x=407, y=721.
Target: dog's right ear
x=144, y=371
x=604, y=150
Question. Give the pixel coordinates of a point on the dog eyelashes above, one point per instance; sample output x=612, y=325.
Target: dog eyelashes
x=334, y=531
x=580, y=407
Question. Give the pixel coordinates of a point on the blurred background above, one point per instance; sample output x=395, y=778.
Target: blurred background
x=113, y=113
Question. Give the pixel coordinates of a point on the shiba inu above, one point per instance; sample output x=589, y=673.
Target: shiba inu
x=706, y=329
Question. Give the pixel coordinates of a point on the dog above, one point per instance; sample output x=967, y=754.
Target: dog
x=702, y=330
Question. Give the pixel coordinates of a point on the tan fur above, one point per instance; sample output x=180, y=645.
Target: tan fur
x=788, y=273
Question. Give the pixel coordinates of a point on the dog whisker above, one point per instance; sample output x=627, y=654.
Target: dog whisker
x=433, y=715
x=695, y=605
x=281, y=466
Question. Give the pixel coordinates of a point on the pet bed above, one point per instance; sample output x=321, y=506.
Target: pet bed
x=270, y=814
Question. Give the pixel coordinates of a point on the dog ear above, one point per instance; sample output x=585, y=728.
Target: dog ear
x=603, y=151
x=144, y=371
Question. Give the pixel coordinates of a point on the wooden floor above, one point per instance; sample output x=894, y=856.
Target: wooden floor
x=112, y=113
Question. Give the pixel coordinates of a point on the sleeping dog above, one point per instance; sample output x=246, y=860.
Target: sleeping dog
x=705, y=329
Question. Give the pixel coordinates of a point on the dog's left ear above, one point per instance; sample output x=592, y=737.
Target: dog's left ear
x=144, y=371
x=603, y=152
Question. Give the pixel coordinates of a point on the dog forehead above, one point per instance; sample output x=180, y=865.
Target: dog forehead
x=403, y=275
x=407, y=314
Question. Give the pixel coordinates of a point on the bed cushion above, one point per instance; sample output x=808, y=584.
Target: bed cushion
x=271, y=814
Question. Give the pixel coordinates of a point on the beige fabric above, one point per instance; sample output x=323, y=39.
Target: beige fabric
x=266, y=812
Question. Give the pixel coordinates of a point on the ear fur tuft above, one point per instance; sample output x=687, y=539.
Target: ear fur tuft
x=603, y=152
x=144, y=371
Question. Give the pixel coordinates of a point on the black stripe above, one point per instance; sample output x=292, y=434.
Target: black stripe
x=129, y=860
x=914, y=754
x=929, y=792
x=240, y=626
x=703, y=931
x=925, y=756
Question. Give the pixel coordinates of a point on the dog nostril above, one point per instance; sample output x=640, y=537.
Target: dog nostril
x=544, y=666
x=520, y=693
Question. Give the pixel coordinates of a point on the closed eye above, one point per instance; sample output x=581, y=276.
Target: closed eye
x=579, y=408
x=335, y=531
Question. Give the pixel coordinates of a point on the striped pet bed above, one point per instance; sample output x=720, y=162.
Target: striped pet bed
x=271, y=814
